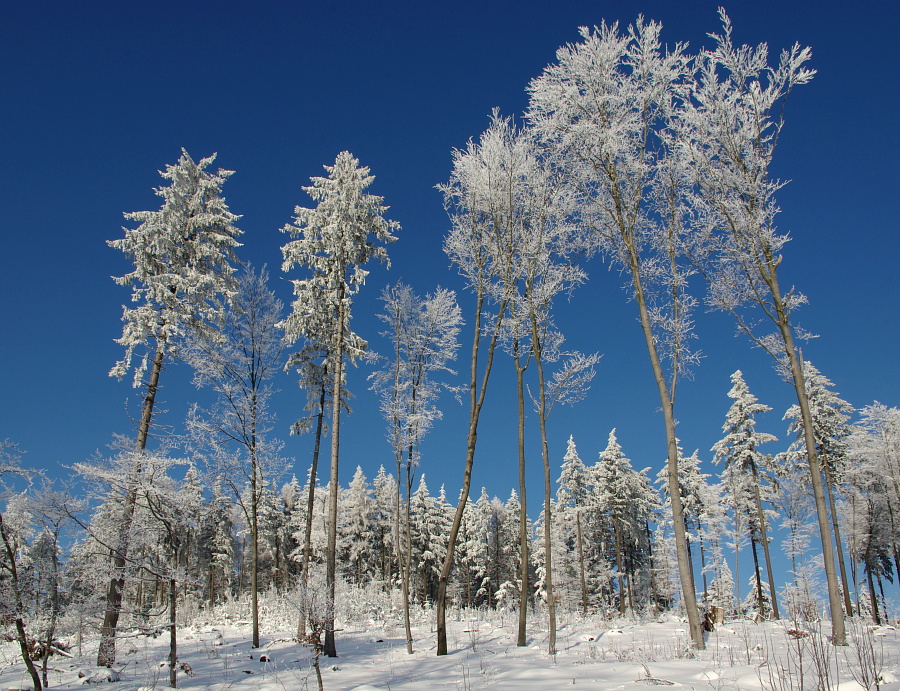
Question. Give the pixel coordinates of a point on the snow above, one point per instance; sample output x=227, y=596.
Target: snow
x=593, y=653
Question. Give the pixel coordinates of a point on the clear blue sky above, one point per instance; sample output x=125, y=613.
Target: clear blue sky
x=96, y=97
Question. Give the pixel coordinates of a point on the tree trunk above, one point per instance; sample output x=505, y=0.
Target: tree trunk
x=331, y=553
x=173, y=635
x=106, y=654
x=761, y=517
x=54, y=610
x=406, y=560
x=829, y=490
x=872, y=598
x=476, y=401
x=22, y=638
x=653, y=590
x=310, y=508
x=759, y=591
x=838, y=629
x=619, y=566
x=584, y=597
x=254, y=550
x=543, y=414
x=685, y=570
x=523, y=512
x=21, y=635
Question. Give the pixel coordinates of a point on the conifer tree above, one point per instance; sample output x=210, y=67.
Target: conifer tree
x=745, y=469
x=182, y=277
x=624, y=497
x=572, y=499
x=829, y=417
x=332, y=242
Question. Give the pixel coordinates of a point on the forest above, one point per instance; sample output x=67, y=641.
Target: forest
x=655, y=159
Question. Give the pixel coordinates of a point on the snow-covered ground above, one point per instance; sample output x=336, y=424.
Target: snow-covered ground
x=592, y=653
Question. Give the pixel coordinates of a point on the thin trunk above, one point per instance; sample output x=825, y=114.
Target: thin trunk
x=22, y=638
x=310, y=508
x=685, y=570
x=21, y=635
x=653, y=590
x=331, y=552
x=523, y=513
x=406, y=563
x=581, y=562
x=829, y=490
x=54, y=611
x=173, y=635
x=737, y=553
x=619, y=566
x=872, y=598
x=761, y=517
x=838, y=629
x=106, y=654
x=476, y=399
x=759, y=591
x=543, y=414
x=254, y=552
x=703, y=566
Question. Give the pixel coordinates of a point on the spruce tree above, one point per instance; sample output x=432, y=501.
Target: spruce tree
x=332, y=243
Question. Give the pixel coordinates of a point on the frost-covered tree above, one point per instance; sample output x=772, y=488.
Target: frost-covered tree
x=475, y=246
x=747, y=474
x=829, y=416
x=472, y=549
x=721, y=588
x=728, y=127
x=355, y=537
x=600, y=111
x=182, y=277
x=332, y=242
x=572, y=500
x=238, y=359
x=875, y=443
x=624, y=501
x=700, y=499
x=217, y=541
x=15, y=579
x=423, y=334
x=383, y=525
x=754, y=606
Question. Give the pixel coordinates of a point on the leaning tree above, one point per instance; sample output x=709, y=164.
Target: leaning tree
x=182, y=277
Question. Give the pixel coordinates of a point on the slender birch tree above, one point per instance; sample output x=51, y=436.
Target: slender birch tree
x=475, y=245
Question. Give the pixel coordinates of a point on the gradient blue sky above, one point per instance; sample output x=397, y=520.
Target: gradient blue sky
x=96, y=97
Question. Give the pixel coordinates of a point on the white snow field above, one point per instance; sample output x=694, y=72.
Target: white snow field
x=594, y=653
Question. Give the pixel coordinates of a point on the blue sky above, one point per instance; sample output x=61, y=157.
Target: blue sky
x=96, y=97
